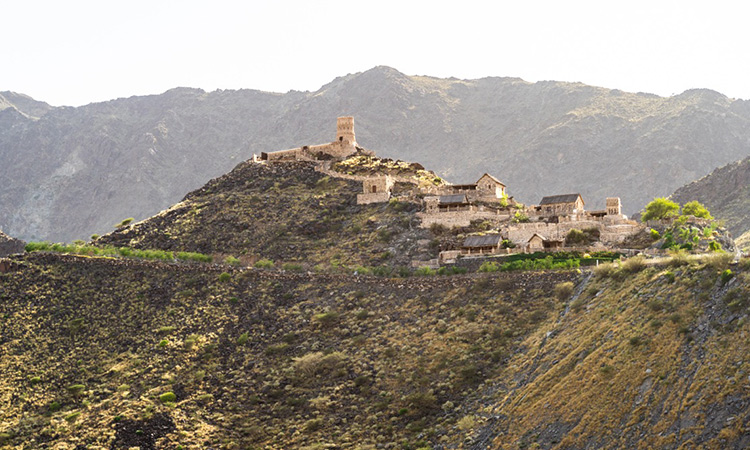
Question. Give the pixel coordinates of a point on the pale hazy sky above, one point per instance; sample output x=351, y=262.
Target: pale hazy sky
x=74, y=52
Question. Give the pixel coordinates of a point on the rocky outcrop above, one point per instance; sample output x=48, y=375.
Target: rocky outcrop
x=9, y=245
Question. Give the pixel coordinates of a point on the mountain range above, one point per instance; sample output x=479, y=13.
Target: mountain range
x=69, y=172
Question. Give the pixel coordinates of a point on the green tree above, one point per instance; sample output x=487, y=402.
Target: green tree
x=696, y=209
x=660, y=208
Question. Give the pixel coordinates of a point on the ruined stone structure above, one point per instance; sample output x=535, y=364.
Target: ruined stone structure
x=375, y=190
x=345, y=145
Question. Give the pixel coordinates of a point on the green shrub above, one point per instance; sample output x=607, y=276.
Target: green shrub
x=636, y=341
x=451, y=270
x=633, y=264
x=72, y=417
x=243, y=339
x=563, y=290
x=520, y=217
x=327, y=318
x=276, y=349
x=696, y=209
x=714, y=246
x=489, y=266
x=660, y=208
x=669, y=276
x=163, y=343
x=292, y=267
x=726, y=276
x=264, y=264
x=655, y=234
x=508, y=244
x=224, y=277
x=604, y=270
x=168, y=397
x=679, y=258
x=76, y=389
x=125, y=222
x=192, y=256
x=574, y=237
x=54, y=407
x=424, y=271
x=438, y=228
x=312, y=425
x=317, y=363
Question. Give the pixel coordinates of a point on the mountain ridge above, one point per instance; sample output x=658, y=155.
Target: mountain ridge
x=77, y=171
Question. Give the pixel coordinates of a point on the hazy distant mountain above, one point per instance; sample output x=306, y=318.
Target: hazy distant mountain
x=726, y=193
x=69, y=172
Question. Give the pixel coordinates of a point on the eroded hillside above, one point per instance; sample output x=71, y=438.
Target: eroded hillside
x=104, y=353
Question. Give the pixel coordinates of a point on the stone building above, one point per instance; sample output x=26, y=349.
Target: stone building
x=375, y=190
x=539, y=243
x=478, y=245
x=487, y=188
x=560, y=205
x=447, y=203
x=345, y=145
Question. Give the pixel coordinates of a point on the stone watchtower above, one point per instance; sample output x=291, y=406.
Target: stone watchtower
x=614, y=206
x=345, y=130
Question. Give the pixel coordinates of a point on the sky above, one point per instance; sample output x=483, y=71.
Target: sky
x=76, y=52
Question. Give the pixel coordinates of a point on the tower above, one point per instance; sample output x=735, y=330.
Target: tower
x=614, y=207
x=345, y=130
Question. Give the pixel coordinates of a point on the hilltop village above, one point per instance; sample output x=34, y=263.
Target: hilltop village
x=558, y=222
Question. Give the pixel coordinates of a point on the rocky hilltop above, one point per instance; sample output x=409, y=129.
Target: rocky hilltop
x=286, y=212
x=70, y=172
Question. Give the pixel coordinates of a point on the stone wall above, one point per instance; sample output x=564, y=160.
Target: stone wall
x=460, y=218
x=609, y=233
x=380, y=197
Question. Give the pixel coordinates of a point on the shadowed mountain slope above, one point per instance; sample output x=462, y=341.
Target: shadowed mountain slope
x=77, y=171
x=726, y=193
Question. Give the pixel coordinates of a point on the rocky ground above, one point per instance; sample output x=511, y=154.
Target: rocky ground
x=104, y=353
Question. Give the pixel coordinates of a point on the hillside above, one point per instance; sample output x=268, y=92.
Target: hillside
x=726, y=193
x=106, y=353
x=288, y=213
x=70, y=172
